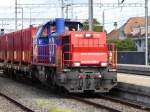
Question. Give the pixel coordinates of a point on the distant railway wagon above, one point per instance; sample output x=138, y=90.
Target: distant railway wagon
x=10, y=46
x=16, y=47
x=60, y=54
x=3, y=48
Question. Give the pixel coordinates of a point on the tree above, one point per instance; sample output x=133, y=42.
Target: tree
x=96, y=25
x=123, y=45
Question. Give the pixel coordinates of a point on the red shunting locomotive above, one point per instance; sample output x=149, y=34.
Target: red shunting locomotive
x=61, y=54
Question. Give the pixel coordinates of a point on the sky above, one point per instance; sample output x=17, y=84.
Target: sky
x=119, y=15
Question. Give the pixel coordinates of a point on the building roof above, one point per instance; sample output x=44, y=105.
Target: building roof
x=113, y=34
x=130, y=27
x=134, y=22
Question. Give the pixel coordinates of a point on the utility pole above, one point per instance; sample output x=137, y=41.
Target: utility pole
x=67, y=12
x=2, y=23
x=72, y=9
x=15, y=14
x=146, y=32
x=62, y=8
x=22, y=17
x=90, y=14
x=103, y=20
x=30, y=17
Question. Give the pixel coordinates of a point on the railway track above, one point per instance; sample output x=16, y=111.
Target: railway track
x=138, y=95
x=85, y=99
x=125, y=102
x=133, y=69
x=97, y=105
x=23, y=107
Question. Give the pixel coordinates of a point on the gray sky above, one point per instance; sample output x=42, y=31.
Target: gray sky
x=112, y=15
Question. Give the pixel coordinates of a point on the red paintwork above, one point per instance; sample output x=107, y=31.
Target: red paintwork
x=10, y=46
x=27, y=37
x=23, y=45
x=17, y=46
x=88, y=51
x=3, y=47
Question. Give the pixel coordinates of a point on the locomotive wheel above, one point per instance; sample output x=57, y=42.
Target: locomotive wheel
x=42, y=76
x=49, y=78
x=52, y=78
x=34, y=76
x=6, y=72
x=11, y=73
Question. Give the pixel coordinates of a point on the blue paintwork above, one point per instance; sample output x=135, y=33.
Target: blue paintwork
x=52, y=40
x=60, y=25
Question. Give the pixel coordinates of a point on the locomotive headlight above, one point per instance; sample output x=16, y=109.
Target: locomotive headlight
x=88, y=35
x=99, y=76
x=103, y=64
x=76, y=64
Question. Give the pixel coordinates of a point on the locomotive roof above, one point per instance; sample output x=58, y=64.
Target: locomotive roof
x=67, y=22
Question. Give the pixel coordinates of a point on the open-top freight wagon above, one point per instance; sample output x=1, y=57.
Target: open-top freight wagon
x=60, y=53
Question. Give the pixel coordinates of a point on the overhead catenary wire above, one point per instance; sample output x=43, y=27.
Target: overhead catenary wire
x=44, y=5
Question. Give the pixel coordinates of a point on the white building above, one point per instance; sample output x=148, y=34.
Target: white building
x=138, y=35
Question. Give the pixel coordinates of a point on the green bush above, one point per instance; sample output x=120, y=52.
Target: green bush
x=123, y=45
x=96, y=25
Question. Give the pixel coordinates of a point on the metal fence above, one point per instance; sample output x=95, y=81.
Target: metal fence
x=131, y=57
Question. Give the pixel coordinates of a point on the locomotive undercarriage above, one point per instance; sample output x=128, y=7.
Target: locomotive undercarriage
x=74, y=80
x=79, y=80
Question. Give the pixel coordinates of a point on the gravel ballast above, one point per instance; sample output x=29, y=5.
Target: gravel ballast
x=44, y=101
x=8, y=106
x=41, y=100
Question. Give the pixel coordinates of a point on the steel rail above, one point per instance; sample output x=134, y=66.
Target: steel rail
x=130, y=91
x=97, y=105
x=23, y=107
x=113, y=99
x=134, y=69
x=136, y=72
x=125, y=102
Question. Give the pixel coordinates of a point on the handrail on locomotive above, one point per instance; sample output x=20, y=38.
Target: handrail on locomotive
x=52, y=57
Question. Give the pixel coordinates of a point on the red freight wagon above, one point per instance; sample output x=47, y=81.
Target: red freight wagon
x=18, y=46
x=3, y=47
x=10, y=46
x=27, y=36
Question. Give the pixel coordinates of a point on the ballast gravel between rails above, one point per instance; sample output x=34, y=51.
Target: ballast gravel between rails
x=97, y=105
